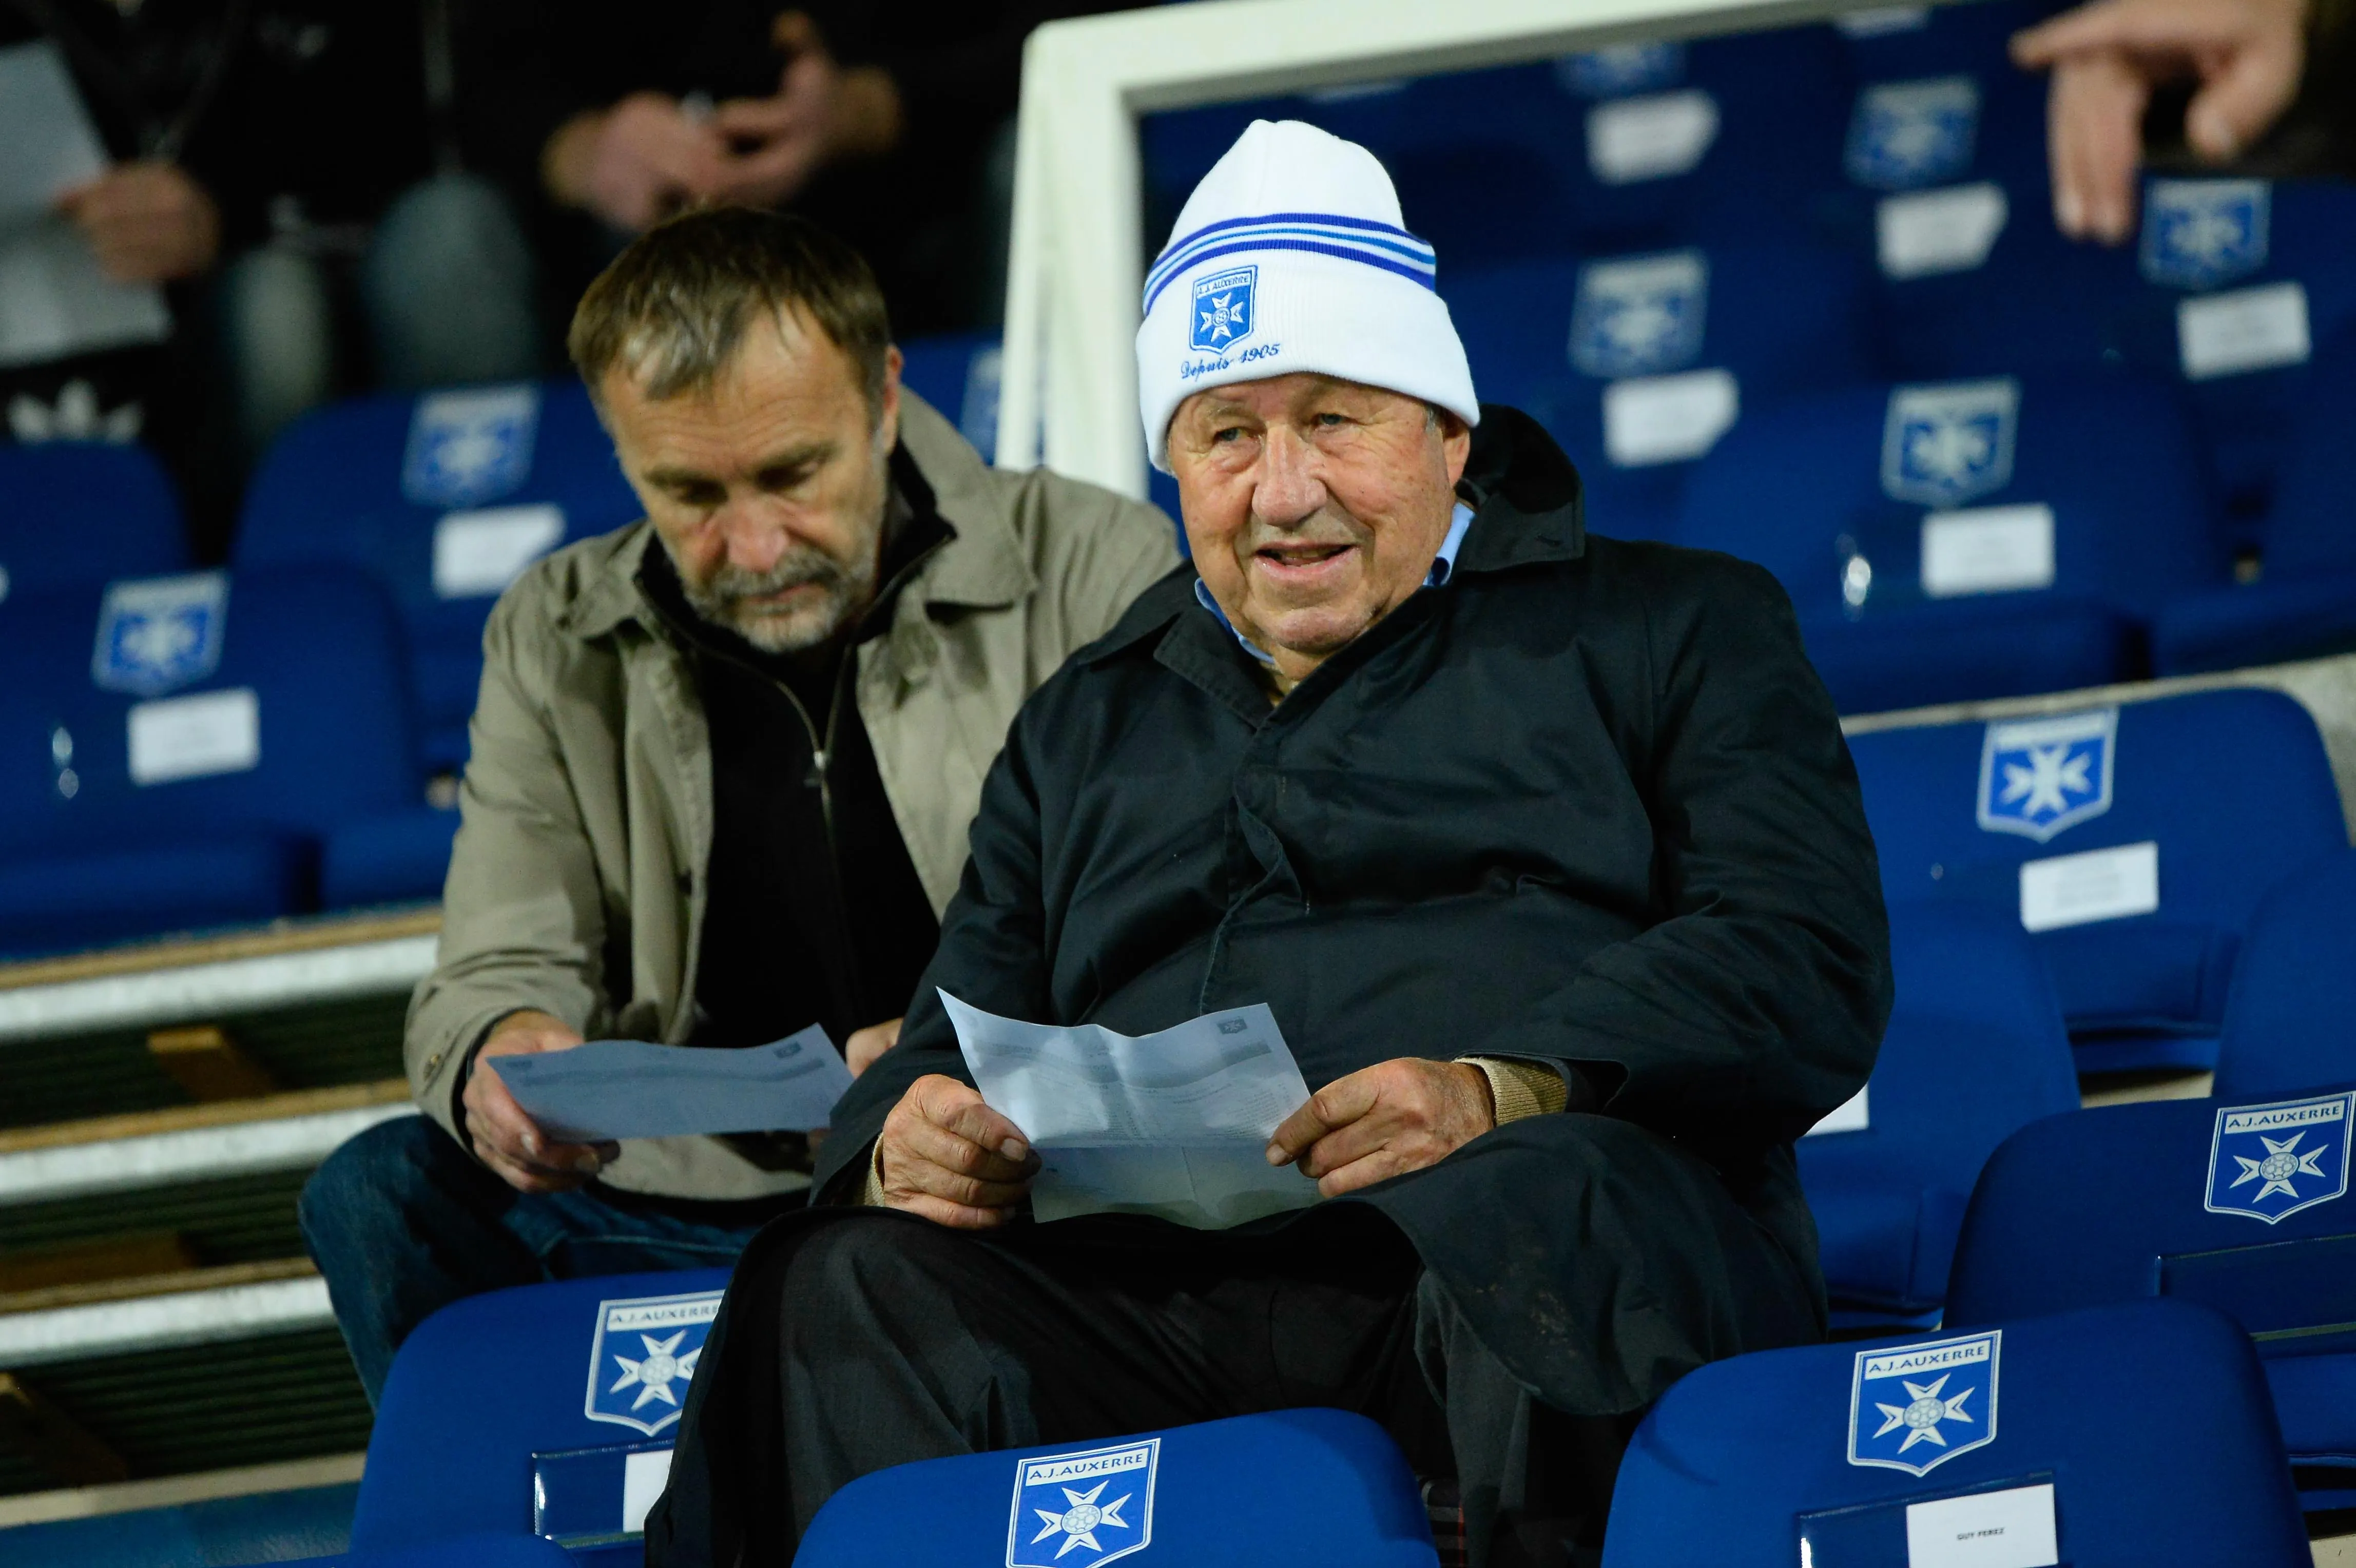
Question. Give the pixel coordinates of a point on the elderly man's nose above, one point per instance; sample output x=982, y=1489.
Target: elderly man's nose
x=1290, y=488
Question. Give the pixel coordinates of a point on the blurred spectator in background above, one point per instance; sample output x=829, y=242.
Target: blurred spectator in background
x=2218, y=80
x=272, y=165
x=891, y=124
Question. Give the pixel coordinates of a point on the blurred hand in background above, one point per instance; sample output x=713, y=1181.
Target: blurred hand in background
x=820, y=112
x=150, y=222
x=637, y=163
x=2244, y=56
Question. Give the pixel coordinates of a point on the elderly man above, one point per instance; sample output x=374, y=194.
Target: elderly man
x=723, y=763
x=1545, y=851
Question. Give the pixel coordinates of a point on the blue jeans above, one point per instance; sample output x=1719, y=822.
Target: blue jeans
x=402, y=1222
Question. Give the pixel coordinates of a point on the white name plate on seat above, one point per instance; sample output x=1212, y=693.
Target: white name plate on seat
x=191, y=737
x=2246, y=329
x=2010, y=1529
x=478, y=553
x=1931, y=231
x=2100, y=884
x=1882, y=21
x=644, y=1476
x=1650, y=138
x=1668, y=419
x=1853, y=1115
x=1988, y=549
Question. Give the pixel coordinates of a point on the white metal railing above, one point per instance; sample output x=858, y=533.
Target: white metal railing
x=1069, y=390
x=184, y=1154
x=176, y=994
x=156, y=1322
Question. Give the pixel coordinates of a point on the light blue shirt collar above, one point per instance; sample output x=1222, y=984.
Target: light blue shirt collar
x=1443, y=567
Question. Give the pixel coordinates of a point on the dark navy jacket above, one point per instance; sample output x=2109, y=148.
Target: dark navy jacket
x=1587, y=805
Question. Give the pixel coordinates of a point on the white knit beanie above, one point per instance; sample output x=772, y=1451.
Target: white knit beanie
x=1290, y=257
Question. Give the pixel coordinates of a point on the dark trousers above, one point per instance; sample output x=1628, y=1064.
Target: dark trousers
x=402, y=1222
x=897, y=1339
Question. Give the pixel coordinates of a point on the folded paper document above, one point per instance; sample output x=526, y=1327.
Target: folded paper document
x=629, y=1089
x=1173, y=1123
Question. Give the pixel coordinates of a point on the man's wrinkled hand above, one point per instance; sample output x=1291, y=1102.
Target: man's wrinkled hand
x=150, y=222
x=948, y=1156
x=1385, y=1120
x=504, y=1139
x=860, y=1051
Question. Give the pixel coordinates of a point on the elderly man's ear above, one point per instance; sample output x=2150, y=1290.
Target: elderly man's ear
x=1455, y=439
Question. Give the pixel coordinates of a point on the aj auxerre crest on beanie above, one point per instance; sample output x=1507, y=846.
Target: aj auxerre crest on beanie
x=1290, y=257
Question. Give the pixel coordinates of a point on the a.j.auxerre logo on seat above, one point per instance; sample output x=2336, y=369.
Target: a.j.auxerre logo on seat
x=469, y=446
x=158, y=633
x=1075, y=1511
x=2268, y=1162
x=643, y=1356
x=1914, y=1407
x=1948, y=442
x=2039, y=776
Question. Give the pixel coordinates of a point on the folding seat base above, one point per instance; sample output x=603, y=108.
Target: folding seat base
x=1956, y=651
x=2269, y=622
x=2146, y=1053
x=386, y=859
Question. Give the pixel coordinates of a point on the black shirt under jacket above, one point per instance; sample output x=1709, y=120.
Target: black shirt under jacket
x=813, y=911
x=1587, y=806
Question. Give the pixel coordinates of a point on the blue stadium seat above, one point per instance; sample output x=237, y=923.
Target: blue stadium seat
x=1975, y=1049
x=2237, y=1206
x=590, y=1371
x=2288, y=1016
x=386, y=859
x=2239, y=280
x=2149, y=1421
x=2133, y=841
x=1642, y=145
x=1947, y=190
x=174, y=750
x=958, y=374
x=1954, y=540
x=443, y=497
x=1639, y=363
x=2304, y=603
x=73, y=513
x=1305, y=1486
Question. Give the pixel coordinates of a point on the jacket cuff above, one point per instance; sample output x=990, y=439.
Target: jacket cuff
x=443, y=1094
x=1522, y=1089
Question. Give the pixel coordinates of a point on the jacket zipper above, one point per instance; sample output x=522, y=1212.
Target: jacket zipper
x=822, y=755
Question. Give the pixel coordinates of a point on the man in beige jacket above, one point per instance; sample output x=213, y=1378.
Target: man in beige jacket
x=723, y=764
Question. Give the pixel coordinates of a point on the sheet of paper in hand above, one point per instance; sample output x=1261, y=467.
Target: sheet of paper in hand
x=54, y=300
x=629, y=1089
x=1171, y=1124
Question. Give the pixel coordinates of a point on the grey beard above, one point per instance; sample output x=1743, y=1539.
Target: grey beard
x=721, y=602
